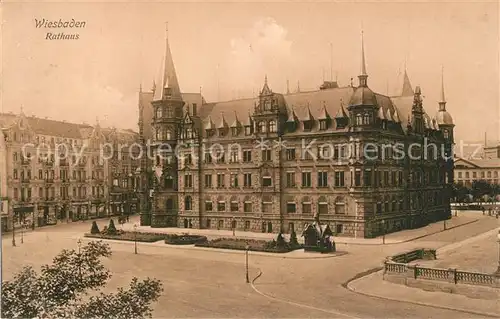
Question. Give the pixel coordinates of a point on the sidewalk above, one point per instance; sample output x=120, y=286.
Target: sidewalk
x=462, y=219
x=373, y=285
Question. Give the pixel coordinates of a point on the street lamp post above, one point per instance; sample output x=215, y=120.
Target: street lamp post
x=444, y=224
x=383, y=232
x=498, y=268
x=135, y=239
x=14, y=231
x=22, y=234
x=233, y=225
x=247, y=247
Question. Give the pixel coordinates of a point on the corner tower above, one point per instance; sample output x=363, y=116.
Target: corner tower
x=167, y=117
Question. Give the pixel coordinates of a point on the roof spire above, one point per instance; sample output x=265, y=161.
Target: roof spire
x=168, y=78
x=442, y=100
x=287, y=87
x=298, y=86
x=140, y=87
x=407, y=88
x=363, y=76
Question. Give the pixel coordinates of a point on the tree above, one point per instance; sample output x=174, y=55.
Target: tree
x=95, y=228
x=61, y=289
x=480, y=188
x=280, y=241
x=111, y=228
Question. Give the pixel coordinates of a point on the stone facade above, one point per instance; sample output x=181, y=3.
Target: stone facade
x=276, y=162
x=54, y=170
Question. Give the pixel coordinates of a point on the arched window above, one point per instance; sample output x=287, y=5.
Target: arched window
x=168, y=134
x=322, y=206
x=158, y=112
x=261, y=127
x=272, y=126
x=233, y=205
x=157, y=134
x=188, y=203
x=189, y=133
x=306, y=205
x=247, y=204
x=445, y=133
x=340, y=205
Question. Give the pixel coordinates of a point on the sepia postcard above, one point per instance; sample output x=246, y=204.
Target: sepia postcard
x=250, y=159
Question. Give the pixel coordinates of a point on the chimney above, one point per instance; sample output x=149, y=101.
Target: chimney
x=195, y=109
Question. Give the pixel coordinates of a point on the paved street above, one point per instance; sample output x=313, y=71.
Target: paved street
x=205, y=283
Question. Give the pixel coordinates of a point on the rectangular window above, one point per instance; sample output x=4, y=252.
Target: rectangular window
x=267, y=181
x=188, y=181
x=234, y=180
x=291, y=208
x=290, y=179
x=247, y=156
x=290, y=154
x=247, y=207
x=322, y=179
x=247, y=180
x=221, y=206
x=220, y=180
x=339, y=179
x=367, y=176
x=234, y=206
x=266, y=155
x=208, y=206
x=306, y=179
x=208, y=157
x=393, y=178
x=234, y=157
x=188, y=159
x=386, y=178
x=357, y=178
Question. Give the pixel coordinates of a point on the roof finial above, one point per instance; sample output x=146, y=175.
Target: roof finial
x=442, y=101
x=287, y=87
x=363, y=76
x=298, y=86
x=265, y=79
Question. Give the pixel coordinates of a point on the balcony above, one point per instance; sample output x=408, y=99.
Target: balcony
x=49, y=180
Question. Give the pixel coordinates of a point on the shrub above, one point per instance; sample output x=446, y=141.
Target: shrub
x=111, y=228
x=280, y=241
x=95, y=228
x=293, y=239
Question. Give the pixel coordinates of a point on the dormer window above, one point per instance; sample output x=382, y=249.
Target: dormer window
x=189, y=133
x=158, y=112
x=323, y=125
x=359, y=119
x=367, y=118
x=267, y=106
x=222, y=132
x=261, y=127
x=446, y=134
x=272, y=126
x=210, y=132
x=170, y=112
x=308, y=125
x=235, y=131
x=248, y=130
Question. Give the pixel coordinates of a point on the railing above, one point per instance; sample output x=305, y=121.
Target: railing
x=397, y=265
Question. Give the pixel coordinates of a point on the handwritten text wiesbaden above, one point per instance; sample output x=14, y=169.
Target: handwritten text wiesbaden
x=60, y=24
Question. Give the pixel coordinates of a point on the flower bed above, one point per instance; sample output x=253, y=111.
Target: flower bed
x=253, y=245
x=185, y=239
x=130, y=236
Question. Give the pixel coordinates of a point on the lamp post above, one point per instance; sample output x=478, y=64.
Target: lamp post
x=135, y=239
x=79, y=244
x=498, y=268
x=383, y=232
x=22, y=234
x=444, y=224
x=14, y=230
x=247, y=248
x=233, y=225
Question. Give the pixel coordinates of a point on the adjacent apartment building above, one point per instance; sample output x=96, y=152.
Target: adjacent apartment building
x=469, y=170
x=278, y=161
x=53, y=171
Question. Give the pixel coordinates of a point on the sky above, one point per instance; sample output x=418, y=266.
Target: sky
x=226, y=49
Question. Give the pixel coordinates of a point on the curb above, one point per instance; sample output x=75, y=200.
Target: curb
x=337, y=314
x=216, y=250
x=371, y=271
